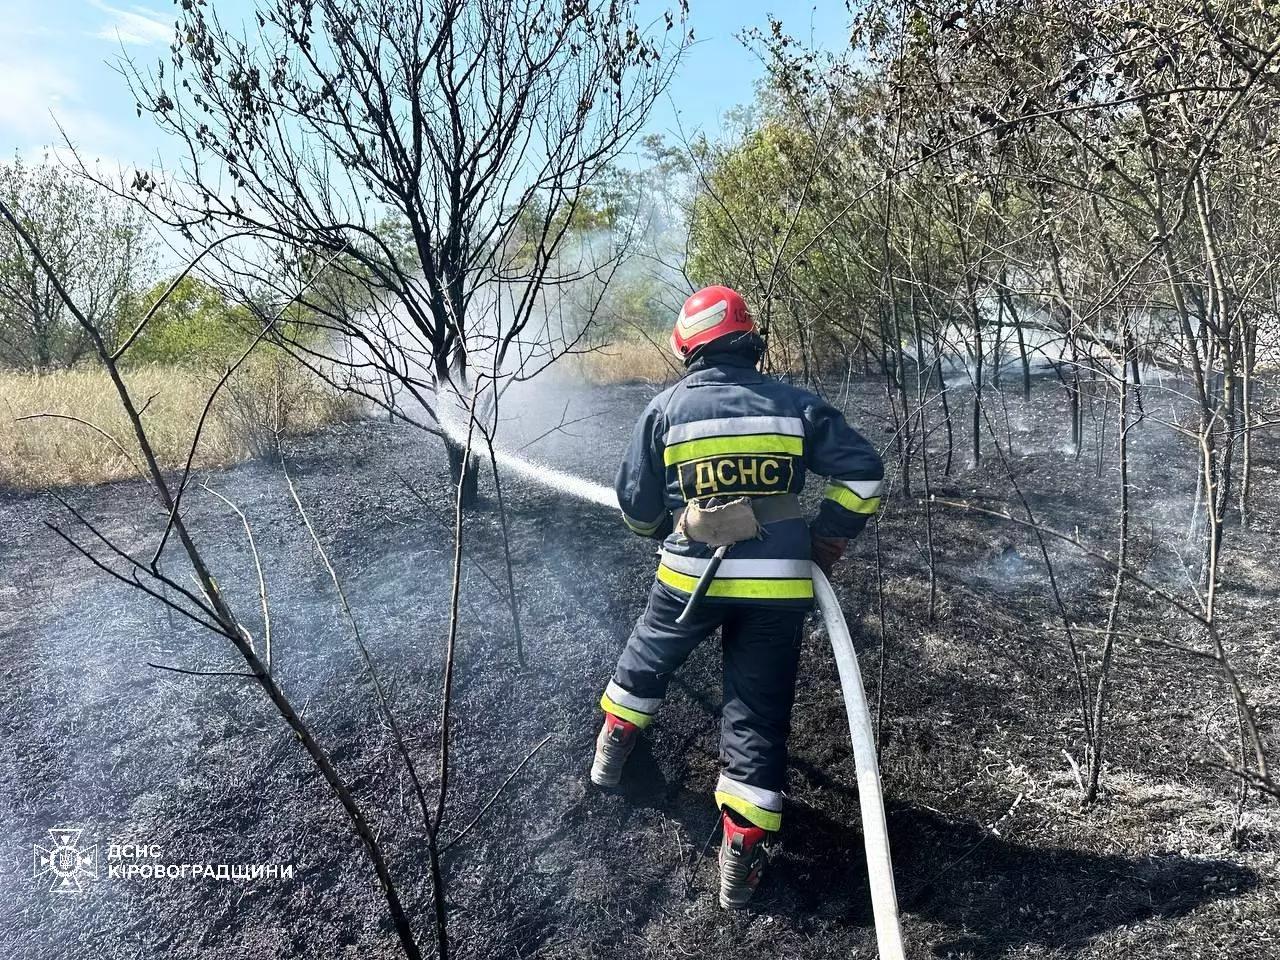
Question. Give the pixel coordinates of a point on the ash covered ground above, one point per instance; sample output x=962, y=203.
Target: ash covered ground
x=993, y=857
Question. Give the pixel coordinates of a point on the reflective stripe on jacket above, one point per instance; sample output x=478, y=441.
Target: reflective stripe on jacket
x=728, y=430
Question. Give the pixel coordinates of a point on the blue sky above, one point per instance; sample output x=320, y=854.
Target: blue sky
x=55, y=62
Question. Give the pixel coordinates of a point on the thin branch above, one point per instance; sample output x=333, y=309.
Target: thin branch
x=497, y=793
x=257, y=565
x=240, y=674
x=92, y=426
x=383, y=706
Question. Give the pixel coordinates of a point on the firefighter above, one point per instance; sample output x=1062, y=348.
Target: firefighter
x=726, y=439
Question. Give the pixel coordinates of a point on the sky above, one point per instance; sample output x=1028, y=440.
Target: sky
x=56, y=67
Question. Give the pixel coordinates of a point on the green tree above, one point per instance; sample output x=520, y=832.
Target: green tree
x=195, y=325
x=96, y=247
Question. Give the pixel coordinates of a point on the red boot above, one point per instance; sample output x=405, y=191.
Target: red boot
x=617, y=739
x=742, y=858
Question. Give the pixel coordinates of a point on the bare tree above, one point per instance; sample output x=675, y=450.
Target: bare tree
x=442, y=147
x=1090, y=176
x=206, y=605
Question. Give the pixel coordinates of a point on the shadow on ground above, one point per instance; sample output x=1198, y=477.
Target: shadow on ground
x=1004, y=894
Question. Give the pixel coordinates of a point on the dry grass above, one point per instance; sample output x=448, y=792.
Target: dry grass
x=634, y=359
x=625, y=360
x=266, y=394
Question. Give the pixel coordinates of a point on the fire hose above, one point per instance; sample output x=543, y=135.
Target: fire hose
x=884, y=899
x=875, y=832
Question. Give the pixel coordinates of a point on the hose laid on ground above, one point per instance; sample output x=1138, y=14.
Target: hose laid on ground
x=884, y=899
x=875, y=832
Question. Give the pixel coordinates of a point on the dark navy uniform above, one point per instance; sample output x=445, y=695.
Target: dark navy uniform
x=726, y=430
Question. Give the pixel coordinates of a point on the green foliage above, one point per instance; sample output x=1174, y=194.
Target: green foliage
x=195, y=325
x=763, y=224
x=633, y=304
x=94, y=245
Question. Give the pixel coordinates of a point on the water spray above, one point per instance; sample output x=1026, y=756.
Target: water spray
x=884, y=898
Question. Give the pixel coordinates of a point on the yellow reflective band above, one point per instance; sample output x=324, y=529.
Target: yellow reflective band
x=741, y=588
x=850, y=500
x=748, y=443
x=762, y=818
x=626, y=713
x=644, y=529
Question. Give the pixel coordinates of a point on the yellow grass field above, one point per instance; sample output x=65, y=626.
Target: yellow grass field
x=632, y=359
x=625, y=360
x=264, y=397
x=41, y=448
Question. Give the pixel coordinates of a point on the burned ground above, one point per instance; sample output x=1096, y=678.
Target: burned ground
x=993, y=856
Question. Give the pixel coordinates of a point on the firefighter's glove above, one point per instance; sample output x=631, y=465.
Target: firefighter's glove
x=826, y=551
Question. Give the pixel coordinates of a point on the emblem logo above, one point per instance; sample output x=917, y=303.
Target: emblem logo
x=66, y=860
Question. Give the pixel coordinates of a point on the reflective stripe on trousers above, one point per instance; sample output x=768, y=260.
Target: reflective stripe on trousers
x=621, y=703
x=762, y=807
x=761, y=645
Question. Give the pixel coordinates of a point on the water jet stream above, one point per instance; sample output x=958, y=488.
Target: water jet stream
x=884, y=898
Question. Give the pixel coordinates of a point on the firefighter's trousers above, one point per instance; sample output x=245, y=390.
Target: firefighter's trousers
x=761, y=645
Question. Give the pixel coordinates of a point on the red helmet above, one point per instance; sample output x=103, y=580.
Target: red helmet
x=711, y=313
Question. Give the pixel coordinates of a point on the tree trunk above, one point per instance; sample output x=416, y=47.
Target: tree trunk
x=451, y=384
x=1096, y=755
x=972, y=295
x=1022, y=341
x=997, y=344
x=471, y=484
x=1246, y=400
x=946, y=406
x=922, y=431
x=891, y=387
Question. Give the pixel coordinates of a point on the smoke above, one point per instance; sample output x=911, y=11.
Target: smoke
x=577, y=487
x=601, y=285
x=503, y=363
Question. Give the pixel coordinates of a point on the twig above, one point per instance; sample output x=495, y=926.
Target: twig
x=257, y=564
x=993, y=832
x=203, y=673
x=1082, y=547
x=417, y=494
x=383, y=706
x=135, y=564
x=497, y=793
x=883, y=640
x=267, y=328
x=92, y=426
x=706, y=845
x=559, y=427
x=1075, y=769
x=506, y=551
x=1259, y=782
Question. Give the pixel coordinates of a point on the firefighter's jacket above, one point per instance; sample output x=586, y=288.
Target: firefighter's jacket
x=727, y=430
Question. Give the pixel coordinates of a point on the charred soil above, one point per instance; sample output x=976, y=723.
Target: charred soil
x=994, y=856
